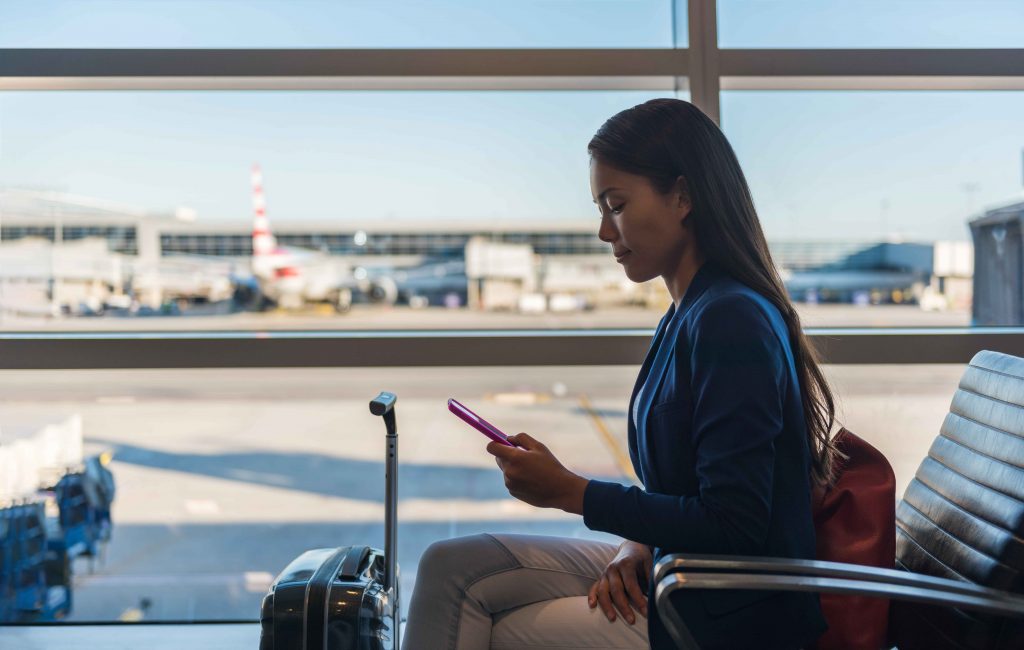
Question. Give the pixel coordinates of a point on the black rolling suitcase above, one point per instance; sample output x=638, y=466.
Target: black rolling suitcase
x=341, y=598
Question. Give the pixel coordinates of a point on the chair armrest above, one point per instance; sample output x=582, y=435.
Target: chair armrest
x=677, y=572
x=677, y=562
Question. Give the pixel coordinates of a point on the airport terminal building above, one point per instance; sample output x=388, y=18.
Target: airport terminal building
x=999, y=277
x=825, y=271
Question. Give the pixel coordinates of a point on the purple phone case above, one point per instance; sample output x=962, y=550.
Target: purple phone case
x=478, y=423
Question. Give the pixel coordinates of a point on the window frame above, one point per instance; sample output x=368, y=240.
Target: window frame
x=702, y=68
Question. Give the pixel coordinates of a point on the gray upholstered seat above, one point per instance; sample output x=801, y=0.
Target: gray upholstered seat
x=962, y=516
x=959, y=532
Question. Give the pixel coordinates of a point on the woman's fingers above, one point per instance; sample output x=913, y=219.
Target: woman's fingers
x=526, y=441
x=635, y=592
x=604, y=598
x=619, y=596
x=619, y=592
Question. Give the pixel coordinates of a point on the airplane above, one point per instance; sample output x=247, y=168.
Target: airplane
x=292, y=277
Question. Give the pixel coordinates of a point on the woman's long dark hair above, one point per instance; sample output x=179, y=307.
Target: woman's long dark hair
x=664, y=139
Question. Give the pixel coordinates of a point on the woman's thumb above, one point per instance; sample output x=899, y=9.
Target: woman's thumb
x=525, y=441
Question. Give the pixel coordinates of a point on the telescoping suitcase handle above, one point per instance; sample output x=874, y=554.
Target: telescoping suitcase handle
x=384, y=405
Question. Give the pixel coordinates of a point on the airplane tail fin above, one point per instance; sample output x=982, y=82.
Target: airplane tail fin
x=263, y=242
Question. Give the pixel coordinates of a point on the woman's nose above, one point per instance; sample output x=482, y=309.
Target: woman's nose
x=606, y=232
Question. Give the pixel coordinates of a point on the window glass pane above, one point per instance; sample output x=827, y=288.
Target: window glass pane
x=867, y=197
x=224, y=476
x=870, y=23
x=353, y=23
x=897, y=409
x=129, y=204
x=157, y=210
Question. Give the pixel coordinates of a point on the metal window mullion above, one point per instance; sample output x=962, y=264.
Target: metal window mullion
x=704, y=79
x=871, y=62
x=341, y=69
x=872, y=69
x=471, y=348
x=704, y=67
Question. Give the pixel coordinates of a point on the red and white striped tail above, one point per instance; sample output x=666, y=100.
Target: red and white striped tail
x=263, y=242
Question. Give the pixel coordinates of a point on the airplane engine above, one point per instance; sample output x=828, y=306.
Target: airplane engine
x=382, y=290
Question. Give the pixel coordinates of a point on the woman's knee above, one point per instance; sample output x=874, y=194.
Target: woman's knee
x=449, y=557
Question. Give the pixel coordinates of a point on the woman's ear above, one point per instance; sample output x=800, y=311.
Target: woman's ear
x=681, y=197
x=681, y=190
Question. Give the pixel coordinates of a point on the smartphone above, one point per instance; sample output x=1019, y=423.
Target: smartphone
x=478, y=423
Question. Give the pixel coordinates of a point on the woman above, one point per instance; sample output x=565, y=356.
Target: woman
x=728, y=430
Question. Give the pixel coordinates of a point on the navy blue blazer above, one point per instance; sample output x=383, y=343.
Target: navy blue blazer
x=721, y=448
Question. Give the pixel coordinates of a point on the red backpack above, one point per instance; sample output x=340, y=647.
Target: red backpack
x=855, y=522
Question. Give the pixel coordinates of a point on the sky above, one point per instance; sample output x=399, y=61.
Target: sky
x=821, y=165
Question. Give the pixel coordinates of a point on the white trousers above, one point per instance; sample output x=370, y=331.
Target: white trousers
x=505, y=592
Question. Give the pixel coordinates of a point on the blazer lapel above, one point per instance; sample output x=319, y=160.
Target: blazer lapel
x=640, y=379
x=645, y=445
x=665, y=351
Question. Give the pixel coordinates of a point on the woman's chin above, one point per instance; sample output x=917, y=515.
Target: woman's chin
x=638, y=275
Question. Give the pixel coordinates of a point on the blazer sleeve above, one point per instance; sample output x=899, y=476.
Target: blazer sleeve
x=738, y=381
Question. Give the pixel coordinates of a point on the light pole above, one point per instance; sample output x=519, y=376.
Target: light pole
x=883, y=207
x=970, y=189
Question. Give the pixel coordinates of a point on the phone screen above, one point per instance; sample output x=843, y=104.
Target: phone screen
x=478, y=423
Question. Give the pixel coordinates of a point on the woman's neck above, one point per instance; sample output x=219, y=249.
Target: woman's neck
x=678, y=282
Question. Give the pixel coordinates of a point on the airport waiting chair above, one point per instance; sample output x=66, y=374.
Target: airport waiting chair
x=958, y=574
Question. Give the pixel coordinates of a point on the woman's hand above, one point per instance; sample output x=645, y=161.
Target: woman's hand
x=534, y=475
x=624, y=583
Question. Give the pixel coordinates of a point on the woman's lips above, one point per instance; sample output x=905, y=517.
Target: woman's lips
x=619, y=258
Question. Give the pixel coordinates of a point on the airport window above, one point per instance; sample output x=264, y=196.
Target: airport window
x=224, y=476
x=893, y=24
x=130, y=211
x=119, y=239
x=455, y=191
x=872, y=213
x=13, y=233
x=354, y=24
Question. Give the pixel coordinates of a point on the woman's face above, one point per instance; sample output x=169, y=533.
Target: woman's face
x=648, y=230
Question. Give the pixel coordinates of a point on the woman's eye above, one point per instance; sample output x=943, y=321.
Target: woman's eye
x=619, y=209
